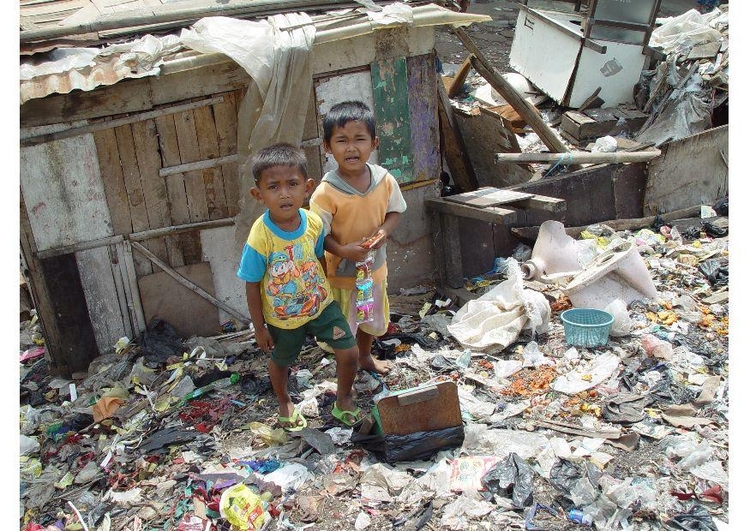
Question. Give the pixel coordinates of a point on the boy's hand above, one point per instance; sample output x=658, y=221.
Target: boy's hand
x=263, y=339
x=375, y=241
x=354, y=251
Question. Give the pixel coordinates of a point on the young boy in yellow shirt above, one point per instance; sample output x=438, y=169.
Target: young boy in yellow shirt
x=356, y=201
x=288, y=294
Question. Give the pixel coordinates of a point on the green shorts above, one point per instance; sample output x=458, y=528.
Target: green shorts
x=330, y=327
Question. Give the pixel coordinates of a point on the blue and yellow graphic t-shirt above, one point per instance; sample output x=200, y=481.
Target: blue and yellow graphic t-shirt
x=294, y=288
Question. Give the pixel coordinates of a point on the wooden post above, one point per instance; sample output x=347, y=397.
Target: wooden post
x=454, y=150
x=524, y=108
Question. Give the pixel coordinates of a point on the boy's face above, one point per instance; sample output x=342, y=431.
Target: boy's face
x=283, y=189
x=351, y=146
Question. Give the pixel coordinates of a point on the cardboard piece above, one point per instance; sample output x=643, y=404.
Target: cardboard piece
x=189, y=313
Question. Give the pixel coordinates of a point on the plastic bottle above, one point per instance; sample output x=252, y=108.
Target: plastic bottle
x=216, y=384
x=363, y=282
x=579, y=517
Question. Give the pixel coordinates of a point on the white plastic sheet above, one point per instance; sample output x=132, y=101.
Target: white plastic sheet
x=587, y=374
x=496, y=318
x=680, y=33
x=275, y=106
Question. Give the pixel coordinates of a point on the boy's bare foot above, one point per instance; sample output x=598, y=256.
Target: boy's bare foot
x=369, y=363
x=290, y=417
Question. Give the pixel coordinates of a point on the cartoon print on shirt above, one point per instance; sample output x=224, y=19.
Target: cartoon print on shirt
x=294, y=291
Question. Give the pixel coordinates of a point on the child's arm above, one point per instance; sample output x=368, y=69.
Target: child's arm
x=352, y=251
x=389, y=225
x=255, y=305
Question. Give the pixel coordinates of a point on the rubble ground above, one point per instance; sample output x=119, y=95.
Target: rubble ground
x=643, y=446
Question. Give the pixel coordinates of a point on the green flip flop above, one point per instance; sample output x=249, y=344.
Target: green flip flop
x=294, y=423
x=348, y=418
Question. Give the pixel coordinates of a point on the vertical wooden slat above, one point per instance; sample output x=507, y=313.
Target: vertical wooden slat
x=391, y=95
x=187, y=141
x=100, y=292
x=208, y=143
x=122, y=297
x=225, y=114
x=175, y=184
x=312, y=153
x=132, y=179
x=113, y=182
x=125, y=254
x=423, y=116
x=154, y=188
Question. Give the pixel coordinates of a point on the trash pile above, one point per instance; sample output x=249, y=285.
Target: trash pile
x=684, y=91
x=167, y=433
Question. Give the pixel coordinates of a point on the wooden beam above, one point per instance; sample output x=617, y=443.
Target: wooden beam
x=135, y=237
x=452, y=145
x=578, y=157
x=531, y=233
x=457, y=82
x=510, y=94
x=500, y=216
x=188, y=284
x=109, y=124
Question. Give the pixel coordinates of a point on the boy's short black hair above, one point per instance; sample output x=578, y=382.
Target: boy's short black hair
x=281, y=154
x=345, y=112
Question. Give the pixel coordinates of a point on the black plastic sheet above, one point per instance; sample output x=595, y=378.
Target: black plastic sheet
x=159, y=342
x=512, y=477
x=412, y=447
x=697, y=518
x=716, y=270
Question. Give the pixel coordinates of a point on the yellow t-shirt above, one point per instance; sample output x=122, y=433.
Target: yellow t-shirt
x=294, y=289
x=349, y=215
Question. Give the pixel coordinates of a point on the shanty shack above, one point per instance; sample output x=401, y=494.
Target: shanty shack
x=137, y=119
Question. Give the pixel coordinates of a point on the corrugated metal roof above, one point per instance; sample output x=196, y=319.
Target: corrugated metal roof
x=62, y=71
x=45, y=23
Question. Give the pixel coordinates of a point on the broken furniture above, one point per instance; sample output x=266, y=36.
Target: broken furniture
x=496, y=207
x=582, y=126
x=572, y=57
x=416, y=423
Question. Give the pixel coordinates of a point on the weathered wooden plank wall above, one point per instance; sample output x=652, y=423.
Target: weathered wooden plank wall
x=63, y=191
x=102, y=297
x=689, y=172
x=175, y=183
x=225, y=116
x=423, y=117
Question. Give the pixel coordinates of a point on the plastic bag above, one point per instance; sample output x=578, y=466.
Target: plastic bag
x=656, y=348
x=716, y=270
x=622, y=325
x=160, y=341
x=242, y=507
x=497, y=317
x=605, y=144
x=412, y=447
x=512, y=478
